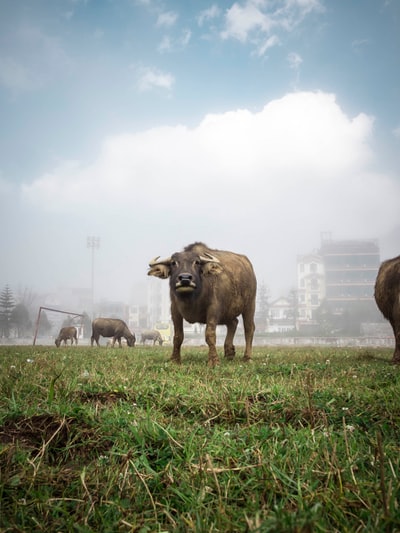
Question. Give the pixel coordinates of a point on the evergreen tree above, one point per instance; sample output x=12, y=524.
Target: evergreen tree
x=20, y=320
x=7, y=305
x=44, y=325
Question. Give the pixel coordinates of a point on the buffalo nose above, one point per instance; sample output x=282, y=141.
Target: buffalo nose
x=185, y=278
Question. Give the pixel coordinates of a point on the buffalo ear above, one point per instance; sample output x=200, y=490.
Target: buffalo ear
x=212, y=269
x=159, y=271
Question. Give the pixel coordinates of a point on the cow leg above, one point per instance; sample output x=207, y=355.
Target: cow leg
x=178, y=337
x=211, y=340
x=229, y=348
x=249, y=327
x=119, y=342
x=396, y=331
x=94, y=338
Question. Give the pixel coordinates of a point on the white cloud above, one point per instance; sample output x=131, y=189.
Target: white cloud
x=208, y=14
x=296, y=150
x=167, y=19
x=396, y=132
x=268, y=43
x=265, y=183
x=34, y=60
x=151, y=78
x=169, y=45
x=242, y=20
x=295, y=60
x=258, y=21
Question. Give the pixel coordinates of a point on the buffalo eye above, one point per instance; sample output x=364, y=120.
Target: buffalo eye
x=174, y=263
x=197, y=262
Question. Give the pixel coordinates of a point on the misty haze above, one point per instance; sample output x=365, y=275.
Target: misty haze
x=133, y=130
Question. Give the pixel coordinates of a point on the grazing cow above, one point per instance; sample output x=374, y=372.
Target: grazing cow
x=387, y=297
x=111, y=327
x=67, y=333
x=211, y=287
x=151, y=335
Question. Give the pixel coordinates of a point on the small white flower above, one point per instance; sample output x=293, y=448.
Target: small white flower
x=29, y=360
x=227, y=434
x=345, y=408
x=13, y=367
x=85, y=375
x=350, y=428
x=327, y=362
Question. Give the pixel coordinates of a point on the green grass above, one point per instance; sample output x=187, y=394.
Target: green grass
x=99, y=439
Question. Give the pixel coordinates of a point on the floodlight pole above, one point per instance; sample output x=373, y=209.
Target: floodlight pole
x=94, y=244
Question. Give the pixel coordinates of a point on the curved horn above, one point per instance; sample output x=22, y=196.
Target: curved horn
x=155, y=261
x=208, y=258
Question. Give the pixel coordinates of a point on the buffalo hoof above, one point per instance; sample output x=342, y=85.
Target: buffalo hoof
x=395, y=361
x=247, y=359
x=175, y=360
x=212, y=363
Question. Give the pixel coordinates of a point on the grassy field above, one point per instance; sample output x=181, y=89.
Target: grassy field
x=119, y=440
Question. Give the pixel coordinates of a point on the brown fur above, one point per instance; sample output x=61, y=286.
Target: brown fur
x=387, y=297
x=218, y=286
x=67, y=333
x=111, y=327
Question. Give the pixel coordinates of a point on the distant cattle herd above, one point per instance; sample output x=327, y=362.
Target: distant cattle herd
x=214, y=287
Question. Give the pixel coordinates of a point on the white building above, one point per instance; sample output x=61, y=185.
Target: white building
x=158, y=301
x=310, y=286
x=281, y=318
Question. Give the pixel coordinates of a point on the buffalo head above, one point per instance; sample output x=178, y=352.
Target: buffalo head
x=185, y=270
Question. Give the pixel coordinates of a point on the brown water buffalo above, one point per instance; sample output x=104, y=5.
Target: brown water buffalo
x=387, y=297
x=151, y=335
x=111, y=327
x=67, y=333
x=211, y=287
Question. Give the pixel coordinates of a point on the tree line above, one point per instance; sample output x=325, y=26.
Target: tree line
x=16, y=321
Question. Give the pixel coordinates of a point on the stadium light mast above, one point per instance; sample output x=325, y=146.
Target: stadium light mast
x=94, y=244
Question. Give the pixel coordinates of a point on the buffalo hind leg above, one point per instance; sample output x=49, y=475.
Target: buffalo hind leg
x=229, y=348
x=249, y=327
x=396, y=332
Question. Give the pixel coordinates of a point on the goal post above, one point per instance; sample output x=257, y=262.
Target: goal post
x=41, y=308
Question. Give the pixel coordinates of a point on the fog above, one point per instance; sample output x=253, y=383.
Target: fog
x=265, y=183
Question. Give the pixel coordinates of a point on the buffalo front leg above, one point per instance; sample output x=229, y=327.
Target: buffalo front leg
x=92, y=339
x=211, y=340
x=178, y=336
x=229, y=348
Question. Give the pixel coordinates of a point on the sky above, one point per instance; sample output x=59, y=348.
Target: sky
x=251, y=125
